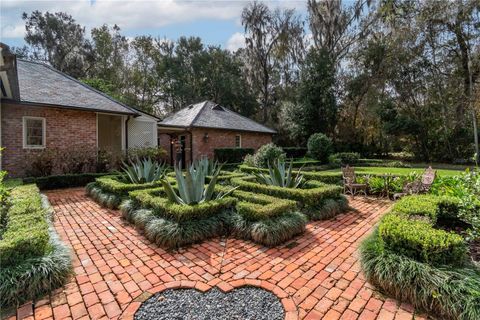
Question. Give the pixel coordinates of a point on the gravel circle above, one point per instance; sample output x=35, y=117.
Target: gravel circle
x=242, y=303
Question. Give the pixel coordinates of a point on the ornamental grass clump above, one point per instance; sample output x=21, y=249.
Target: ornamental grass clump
x=191, y=186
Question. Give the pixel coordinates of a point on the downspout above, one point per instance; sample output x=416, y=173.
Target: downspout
x=126, y=134
x=191, y=145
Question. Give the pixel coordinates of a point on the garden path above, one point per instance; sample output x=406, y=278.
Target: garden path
x=316, y=276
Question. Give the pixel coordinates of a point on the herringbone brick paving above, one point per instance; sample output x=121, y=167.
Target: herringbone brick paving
x=316, y=276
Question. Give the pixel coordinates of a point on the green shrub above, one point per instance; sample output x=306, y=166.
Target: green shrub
x=63, y=181
x=105, y=199
x=232, y=155
x=267, y=154
x=195, y=225
x=156, y=200
x=156, y=154
x=269, y=232
x=115, y=185
x=344, y=158
x=34, y=261
x=328, y=177
x=311, y=195
x=328, y=208
x=257, y=206
x=26, y=232
x=450, y=293
x=319, y=147
x=418, y=240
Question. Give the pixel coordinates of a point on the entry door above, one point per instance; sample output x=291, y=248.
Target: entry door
x=109, y=133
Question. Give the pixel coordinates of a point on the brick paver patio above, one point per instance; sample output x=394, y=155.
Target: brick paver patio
x=317, y=276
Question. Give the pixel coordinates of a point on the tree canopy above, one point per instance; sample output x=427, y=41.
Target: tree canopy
x=375, y=76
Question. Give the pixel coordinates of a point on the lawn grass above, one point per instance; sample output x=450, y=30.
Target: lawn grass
x=399, y=171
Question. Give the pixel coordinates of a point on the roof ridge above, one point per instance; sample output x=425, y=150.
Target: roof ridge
x=80, y=83
x=199, y=112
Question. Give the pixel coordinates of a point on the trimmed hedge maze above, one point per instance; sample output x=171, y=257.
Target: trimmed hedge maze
x=34, y=261
x=411, y=258
x=264, y=214
x=316, y=199
x=109, y=191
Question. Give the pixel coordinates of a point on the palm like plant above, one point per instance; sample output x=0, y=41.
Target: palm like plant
x=143, y=171
x=281, y=176
x=191, y=186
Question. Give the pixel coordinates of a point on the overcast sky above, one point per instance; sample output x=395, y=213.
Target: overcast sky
x=216, y=22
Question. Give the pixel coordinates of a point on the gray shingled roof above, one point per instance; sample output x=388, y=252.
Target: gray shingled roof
x=208, y=114
x=43, y=84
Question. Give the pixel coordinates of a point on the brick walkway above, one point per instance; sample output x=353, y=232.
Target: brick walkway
x=317, y=276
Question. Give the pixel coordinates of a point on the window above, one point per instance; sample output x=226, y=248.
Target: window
x=238, y=141
x=33, y=132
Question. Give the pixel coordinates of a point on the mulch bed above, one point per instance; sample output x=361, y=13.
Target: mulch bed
x=243, y=303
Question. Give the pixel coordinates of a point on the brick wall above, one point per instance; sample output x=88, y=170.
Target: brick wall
x=216, y=139
x=64, y=129
x=225, y=139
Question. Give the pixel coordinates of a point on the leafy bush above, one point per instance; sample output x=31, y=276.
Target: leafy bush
x=280, y=176
x=155, y=200
x=267, y=154
x=26, y=233
x=116, y=185
x=249, y=160
x=155, y=154
x=171, y=225
x=418, y=240
x=142, y=171
x=295, y=152
x=309, y=198
x=451, y=293
x=344, y=158
x=34, y=261
x=63, y=181
x=322, y=176
x=232, y=155
x=4, y=203
x=40, y=163
x=319, y=147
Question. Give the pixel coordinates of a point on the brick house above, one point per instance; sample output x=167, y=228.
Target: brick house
x=197, y=130
x=42, y=108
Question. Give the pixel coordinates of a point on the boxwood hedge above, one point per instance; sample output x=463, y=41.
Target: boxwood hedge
x=34, y=261
x=318, y=200
x=322, y=176
x=409, y=257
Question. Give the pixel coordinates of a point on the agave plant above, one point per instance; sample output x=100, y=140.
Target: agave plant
x=191, y=186
x=207, y=165
x=143, y=171
x=281, y=176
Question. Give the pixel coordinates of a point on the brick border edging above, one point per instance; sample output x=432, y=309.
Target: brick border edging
x=291, y=310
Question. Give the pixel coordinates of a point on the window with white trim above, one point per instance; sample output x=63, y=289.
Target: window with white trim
x=238, y=141
x=33, y=132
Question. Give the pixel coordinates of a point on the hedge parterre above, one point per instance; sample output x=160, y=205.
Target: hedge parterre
x=34, y=261
x=409, y=257
x=318, y=200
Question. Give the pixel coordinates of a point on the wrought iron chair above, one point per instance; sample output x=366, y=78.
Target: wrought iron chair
x=420, y=186
x=350, y=183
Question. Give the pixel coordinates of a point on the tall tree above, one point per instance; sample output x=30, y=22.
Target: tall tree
x=57, y=39
x=272, y=37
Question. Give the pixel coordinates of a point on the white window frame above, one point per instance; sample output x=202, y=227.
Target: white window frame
x=240, y=140
x=44, y=130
